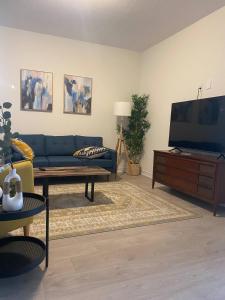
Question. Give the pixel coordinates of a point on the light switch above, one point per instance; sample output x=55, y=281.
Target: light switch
x=208, y=85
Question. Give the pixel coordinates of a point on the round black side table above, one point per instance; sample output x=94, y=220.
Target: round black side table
x=19, y=254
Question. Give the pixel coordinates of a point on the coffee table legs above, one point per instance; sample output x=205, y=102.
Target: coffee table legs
x=45, y=194
x=90, y=198
x=47, y=231
x=45, y=186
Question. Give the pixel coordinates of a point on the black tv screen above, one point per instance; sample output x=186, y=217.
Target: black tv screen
x=198, y=124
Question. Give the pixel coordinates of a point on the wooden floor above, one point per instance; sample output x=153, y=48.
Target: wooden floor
x=179, y=260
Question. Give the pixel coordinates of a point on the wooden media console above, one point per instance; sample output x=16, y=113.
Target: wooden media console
x=201, y=176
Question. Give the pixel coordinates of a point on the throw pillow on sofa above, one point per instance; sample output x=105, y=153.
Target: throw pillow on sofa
x=22, y=148
x=90, y=152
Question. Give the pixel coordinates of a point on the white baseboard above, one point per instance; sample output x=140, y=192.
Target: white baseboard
x=143, y=172
x=146, y=173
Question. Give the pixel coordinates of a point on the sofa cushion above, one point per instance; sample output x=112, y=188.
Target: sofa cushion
x=16, y=156
x=40, y=161
x=104, y=163
x=87, y=141
x=107, y=155
x=64, y=161
x=60, y=145
x=36, y=142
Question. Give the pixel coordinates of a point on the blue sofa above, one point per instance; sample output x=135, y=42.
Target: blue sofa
x=57, y=151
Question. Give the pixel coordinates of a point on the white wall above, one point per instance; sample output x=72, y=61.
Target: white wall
x=115, y=74
x=172, y=71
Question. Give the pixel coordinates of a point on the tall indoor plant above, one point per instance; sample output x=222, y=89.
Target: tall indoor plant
x=134, y=135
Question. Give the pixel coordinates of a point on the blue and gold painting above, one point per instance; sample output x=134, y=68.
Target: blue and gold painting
x=77, y=94
x=36, y=90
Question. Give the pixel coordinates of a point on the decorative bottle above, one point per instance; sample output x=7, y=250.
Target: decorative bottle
x=16, y=202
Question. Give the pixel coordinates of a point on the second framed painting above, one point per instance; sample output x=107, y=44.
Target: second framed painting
x=77, y=95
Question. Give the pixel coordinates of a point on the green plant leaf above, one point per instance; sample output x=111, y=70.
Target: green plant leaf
x=15, y=135
x=6, y=115
x=5, y=128
x=7, y=105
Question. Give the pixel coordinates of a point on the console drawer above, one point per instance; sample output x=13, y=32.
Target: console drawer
x=207, y=170
x=161, y=168
x=205, y=193
x=183, y=185
x=179, y=163
x=205, y=181
x=177, y=183
x=183, y=164
x=160, y=159
x=160, y=177
x=173, y=172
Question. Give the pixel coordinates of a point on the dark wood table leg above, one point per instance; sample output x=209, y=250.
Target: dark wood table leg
x=86, y=188
x=153, y=182
x=215, y=205
x=47, y=232
x=45, y=194
x=92, y=191
x=90, y=180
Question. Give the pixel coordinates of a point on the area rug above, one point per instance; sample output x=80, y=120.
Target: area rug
x=117, y=205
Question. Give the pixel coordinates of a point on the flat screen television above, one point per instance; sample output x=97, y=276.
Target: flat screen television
x=198, y=124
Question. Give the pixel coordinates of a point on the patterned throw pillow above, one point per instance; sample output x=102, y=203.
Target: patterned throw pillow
x=24, y=149
x=90, y=152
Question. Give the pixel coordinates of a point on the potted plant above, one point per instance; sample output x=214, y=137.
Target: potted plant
x=134, y=135
x=12, y=180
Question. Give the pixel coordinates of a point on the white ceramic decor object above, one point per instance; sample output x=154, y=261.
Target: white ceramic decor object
x=16, y=202
x=1, y=192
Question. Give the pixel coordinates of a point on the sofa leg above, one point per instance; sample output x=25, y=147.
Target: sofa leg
x=26, y=230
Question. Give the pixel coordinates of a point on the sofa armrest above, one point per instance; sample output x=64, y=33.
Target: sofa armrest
x=111, y=154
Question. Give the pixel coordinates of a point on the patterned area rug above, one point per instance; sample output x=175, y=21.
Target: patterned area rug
x=117, y=205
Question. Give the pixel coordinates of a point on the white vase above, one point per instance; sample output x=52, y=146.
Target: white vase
x=16, y=202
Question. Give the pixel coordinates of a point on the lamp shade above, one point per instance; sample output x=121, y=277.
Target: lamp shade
x=122, y=109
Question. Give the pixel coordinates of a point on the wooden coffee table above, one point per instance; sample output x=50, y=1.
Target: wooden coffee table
x=87, y=175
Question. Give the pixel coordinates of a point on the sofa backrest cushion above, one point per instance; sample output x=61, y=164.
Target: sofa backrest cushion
x=59, y=145
x=87, y=141
x=36, y=142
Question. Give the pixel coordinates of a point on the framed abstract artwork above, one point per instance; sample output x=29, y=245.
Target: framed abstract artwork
x=36, y=90
x=77, y=95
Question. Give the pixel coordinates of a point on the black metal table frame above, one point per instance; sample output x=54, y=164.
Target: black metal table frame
x=88, y=179
x=24, y=214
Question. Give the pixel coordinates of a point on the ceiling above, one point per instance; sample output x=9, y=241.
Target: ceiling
x=130, y=24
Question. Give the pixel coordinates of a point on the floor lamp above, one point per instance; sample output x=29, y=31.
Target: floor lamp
x=122, y=110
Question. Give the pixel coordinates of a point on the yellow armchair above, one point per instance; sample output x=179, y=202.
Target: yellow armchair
x=25, y=170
